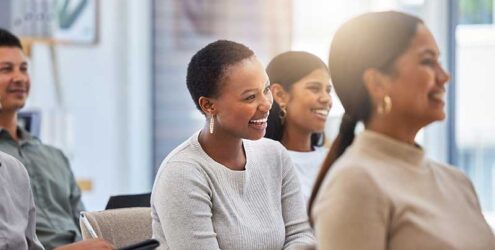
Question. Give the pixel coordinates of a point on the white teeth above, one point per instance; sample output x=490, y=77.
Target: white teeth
x=323, y=112
x=259, y=120
x=438, y=96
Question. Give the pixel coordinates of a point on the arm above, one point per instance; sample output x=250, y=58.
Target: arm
x=182, y=200
x=350, y=212
x=297, y=229
x=31, y=238
x=75, y=193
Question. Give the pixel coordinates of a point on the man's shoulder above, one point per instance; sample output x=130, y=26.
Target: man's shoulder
x=14, y=168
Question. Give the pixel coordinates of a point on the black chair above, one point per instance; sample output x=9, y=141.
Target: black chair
x=129, y=200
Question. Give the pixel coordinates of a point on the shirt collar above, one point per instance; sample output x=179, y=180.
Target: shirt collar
x=24, y=135
x=377, y=142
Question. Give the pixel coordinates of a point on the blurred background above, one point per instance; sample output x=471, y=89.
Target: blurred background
x=108, y=76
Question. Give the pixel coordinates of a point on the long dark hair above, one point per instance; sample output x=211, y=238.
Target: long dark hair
x=286, y=69
x=372, y=40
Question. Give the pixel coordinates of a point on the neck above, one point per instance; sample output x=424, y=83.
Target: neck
x=8, y=121
x=296, y=140
x=387, y=125
x=222, y=148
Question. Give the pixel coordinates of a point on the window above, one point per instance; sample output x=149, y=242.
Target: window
x=475, y=118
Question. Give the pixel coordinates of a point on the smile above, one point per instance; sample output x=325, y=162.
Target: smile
x=259, y=121
x=437, y=96
x=322, y=113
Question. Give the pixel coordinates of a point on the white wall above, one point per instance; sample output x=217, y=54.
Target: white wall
x=104, y=123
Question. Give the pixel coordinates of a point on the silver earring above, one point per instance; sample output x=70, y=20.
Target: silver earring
x=212, y=124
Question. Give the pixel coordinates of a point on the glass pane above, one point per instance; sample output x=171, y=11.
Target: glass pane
x=475, y=118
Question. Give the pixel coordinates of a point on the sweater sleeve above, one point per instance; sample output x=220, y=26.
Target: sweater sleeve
x=183, y=205
x=297, y=229
x=350, y=212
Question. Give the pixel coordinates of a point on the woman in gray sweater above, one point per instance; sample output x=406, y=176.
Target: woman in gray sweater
x=382, y=191
x=227, y=187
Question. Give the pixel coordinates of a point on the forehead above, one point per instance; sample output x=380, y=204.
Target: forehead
x=11, y=55
x=246, y=74
x=422, y=41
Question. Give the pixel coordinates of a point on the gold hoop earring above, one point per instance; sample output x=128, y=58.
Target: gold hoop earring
x=387, y=101
x=386, y=106
x=283, y=114
x=212, y=124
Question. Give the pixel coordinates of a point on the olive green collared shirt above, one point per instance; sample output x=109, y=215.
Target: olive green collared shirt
x=56, y=194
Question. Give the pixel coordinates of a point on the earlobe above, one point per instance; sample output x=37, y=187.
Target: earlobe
x=207, y=105
x=279, y=94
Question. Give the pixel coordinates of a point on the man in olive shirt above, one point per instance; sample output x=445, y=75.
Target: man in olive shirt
x=56, y=194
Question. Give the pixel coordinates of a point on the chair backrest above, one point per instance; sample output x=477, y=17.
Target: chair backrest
x=129, y=200
x=121, y=227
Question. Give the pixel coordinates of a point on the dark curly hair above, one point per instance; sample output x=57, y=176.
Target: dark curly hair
x=7, y=39
x=286, y=69
x=207, y=67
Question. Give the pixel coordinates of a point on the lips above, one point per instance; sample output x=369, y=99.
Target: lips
x=259, y=121
x=321, y=112
x=437, y=96
x=17, y=90
x=259, y=124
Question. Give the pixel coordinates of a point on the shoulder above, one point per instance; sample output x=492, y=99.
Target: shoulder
x=450, y=173
x=350, y=173
x=182, y=163
x=268, y=152
x=13, y=169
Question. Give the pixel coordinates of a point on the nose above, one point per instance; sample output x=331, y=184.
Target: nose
x=325, y=98
x=266, y=103
x=20, y=77
x=442, y=76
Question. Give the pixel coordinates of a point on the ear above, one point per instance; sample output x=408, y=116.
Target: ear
x=279, y=94
x=376, y=83
x=207, y=105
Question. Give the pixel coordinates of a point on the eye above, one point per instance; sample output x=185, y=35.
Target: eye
x=5, y=69
x=329, y=89
x=24, y=69
x=314, y=89
x=429, y=61
x=266, y=90
x=250, y=98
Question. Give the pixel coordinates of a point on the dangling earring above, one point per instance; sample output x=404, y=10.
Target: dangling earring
x=283, y=114
x=388, y=104
x=212, y=124
x=385, y=107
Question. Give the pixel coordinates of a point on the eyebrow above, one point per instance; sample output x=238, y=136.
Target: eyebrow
x=430, y=52
x=267, y=84
x=12, y=63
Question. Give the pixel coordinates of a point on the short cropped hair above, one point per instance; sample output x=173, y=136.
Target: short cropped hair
x=207, y=67
x=7, y=39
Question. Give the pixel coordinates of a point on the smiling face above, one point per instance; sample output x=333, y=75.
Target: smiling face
x=309, y=102
x=417, y=88
x=14, y=79
x=243, y=102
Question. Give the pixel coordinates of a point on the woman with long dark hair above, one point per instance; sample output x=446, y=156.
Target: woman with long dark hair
x=300, y=84
x=382, y=191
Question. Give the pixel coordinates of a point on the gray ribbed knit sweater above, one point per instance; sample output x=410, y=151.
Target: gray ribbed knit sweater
x=198, y=203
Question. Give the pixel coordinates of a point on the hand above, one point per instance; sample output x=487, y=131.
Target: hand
x=96, y=244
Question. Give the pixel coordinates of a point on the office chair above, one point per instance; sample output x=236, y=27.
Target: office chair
x=121, y=227
x=129, y=200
